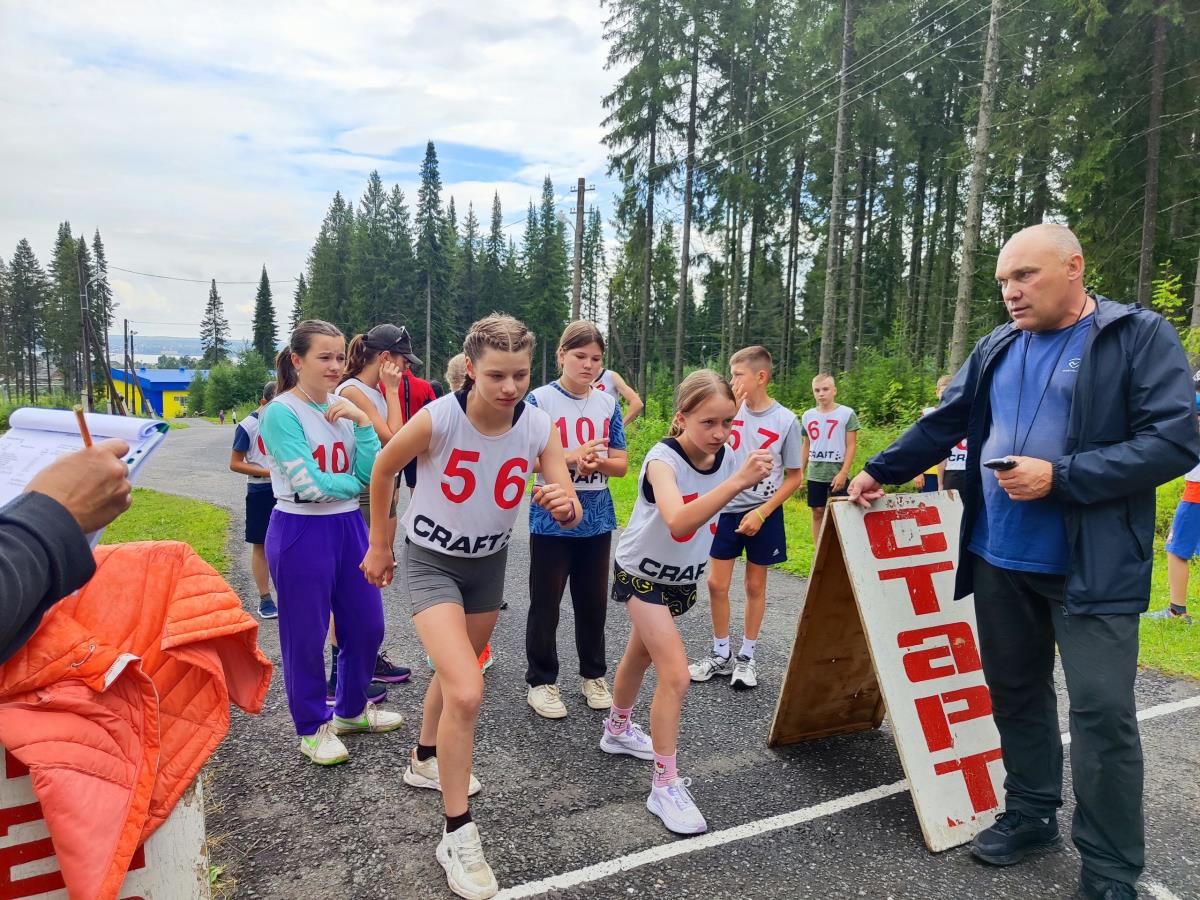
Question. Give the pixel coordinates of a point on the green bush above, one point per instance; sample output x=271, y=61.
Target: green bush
x=44, y=401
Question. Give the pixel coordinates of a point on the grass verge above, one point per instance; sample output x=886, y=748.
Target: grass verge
x=162, y=517
x=1172, y=647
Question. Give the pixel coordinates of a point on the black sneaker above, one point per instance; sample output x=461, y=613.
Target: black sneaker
x=1014, y=836
x=376, y=690
x=1097, y=887
x=387, y=671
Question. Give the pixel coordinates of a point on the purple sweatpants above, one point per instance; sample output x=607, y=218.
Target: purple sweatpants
x=314, y=564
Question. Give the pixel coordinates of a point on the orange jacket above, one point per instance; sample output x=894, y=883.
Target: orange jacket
x=119, y=698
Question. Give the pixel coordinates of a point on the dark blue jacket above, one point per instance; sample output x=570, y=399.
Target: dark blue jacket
x=1132, y=428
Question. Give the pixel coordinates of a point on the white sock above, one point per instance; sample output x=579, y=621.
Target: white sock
x=721, y=647
x=748, y=647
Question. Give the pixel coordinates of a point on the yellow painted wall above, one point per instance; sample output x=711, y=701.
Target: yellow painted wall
x=174, y=404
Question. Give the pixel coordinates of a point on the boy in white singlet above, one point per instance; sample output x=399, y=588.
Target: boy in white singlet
x=830, y=441
x=753, y=520
x=614, y=385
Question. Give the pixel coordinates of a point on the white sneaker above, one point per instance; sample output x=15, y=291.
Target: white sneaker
x=372, y=721
x=632, y=742
x=467, y=872
x=597, y=693
x=673, y=804
x=547, y=702
x=324, y=748
x=745, y=674
x=425, y=775
x=704, y=669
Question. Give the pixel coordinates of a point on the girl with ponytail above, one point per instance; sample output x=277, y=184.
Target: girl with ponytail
x=320, y=449
x=686, y=480
x=371, y=382
x=475, y=450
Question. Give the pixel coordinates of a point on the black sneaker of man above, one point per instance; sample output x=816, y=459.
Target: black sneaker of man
x=1097, y=887
x=1014, y=837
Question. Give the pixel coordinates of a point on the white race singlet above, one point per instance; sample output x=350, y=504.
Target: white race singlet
x=372, y=394
x=469, y=485
x=577, y=421
x=769, y=430
x=646, y=548
x=605, y=382
x=957, y=460
x=256, y=455
x=827, y=433
x=332, y=446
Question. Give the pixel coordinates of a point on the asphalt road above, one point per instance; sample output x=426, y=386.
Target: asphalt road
x=553, y=803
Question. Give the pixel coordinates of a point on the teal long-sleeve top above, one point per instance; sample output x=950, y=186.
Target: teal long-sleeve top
x=284, y=439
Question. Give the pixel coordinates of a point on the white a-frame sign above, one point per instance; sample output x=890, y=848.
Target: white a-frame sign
x=880, y=630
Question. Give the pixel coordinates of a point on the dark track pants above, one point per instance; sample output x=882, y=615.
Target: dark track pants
x=553, y=561
x=1021, y=618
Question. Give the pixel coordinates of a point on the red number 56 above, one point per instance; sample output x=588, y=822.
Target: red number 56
x=510, y=480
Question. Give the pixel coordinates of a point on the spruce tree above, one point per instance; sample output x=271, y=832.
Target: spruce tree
x=64, y=323
x=369, y=262
x=491, y=263
x=401, y=263
x=299, y=299
x=432, y=264
x=102, y=304
x=265, y=331
x=593, y=264
x=29, y=294
x=214, y=330
x=329, y=265
x=468, y=274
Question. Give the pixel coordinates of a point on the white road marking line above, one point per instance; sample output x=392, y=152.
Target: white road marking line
x=1158, y=890
x=682, y=847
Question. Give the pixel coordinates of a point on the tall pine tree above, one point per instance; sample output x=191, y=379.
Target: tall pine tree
x=299, y=301
x=64, y=324
x=433, y=265
x=214, y=330
x=29, y=299
x=265, y=331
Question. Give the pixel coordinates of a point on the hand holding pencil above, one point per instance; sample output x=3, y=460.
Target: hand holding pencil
x=92, y=484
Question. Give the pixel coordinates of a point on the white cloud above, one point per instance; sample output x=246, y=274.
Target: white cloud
x=206, y=140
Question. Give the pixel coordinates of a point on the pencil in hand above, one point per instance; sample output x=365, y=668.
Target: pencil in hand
x=83, y=426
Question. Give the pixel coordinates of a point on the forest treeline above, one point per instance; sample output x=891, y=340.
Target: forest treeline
x=830, y=179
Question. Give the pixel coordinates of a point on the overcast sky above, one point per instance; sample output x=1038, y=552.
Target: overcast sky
x=206, y=140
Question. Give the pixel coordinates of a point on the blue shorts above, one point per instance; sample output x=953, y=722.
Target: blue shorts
x=1184, y=539
x=819, y=493
x=259, y=503
x=929, y=485
x=765, y=548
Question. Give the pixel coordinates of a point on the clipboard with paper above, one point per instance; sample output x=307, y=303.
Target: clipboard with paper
x=37, y=437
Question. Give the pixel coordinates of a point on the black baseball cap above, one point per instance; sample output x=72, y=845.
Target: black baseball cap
x=392, y=339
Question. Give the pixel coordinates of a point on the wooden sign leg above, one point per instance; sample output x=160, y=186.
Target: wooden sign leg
x=830, y=686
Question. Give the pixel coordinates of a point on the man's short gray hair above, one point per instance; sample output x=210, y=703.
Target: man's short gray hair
x=1060, y=237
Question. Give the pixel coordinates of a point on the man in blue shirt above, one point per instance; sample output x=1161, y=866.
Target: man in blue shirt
x=1091, y=402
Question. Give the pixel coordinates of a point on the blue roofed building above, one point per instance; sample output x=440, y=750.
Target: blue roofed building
x=159, y=392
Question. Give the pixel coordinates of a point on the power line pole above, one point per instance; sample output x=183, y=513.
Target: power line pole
x=577, y=283
x=428, y=325
x=125, y=353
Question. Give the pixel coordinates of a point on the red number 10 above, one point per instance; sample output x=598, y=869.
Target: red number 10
x=341, y=459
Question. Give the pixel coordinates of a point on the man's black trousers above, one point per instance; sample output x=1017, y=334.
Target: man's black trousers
x=1021, y=618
